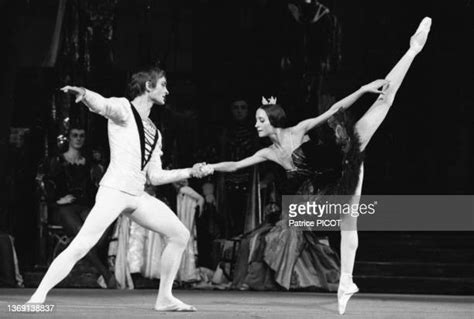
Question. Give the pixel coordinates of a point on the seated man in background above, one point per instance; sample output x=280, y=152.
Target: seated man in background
x=74, y=194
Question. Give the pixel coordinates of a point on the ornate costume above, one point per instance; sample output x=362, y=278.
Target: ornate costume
x=303, y=259
x=134, y=155
x=135, y=158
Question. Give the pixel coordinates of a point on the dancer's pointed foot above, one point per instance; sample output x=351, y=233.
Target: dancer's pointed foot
x=35, y=301
x=173, y=305
x=418, y=40
x=346, y=289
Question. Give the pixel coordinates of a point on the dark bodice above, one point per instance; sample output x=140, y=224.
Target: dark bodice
x=330, y=166
x=316, y=167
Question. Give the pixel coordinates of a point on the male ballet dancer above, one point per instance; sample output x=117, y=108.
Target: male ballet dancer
x=135, y=158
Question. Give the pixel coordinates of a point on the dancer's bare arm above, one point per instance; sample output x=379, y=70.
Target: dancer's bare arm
x=115, y=109
x=258, y=157
x=374, y=87
x=375, y=115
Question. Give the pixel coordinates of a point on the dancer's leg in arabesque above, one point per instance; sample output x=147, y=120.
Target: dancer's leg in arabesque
x=365, y=129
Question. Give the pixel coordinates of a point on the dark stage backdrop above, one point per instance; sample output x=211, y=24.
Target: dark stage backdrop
x=425, y=144
x=217, y=50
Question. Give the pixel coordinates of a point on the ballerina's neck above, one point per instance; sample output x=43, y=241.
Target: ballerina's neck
x=280, y=137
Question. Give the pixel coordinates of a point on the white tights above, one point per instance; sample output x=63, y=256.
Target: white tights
x=145, y=210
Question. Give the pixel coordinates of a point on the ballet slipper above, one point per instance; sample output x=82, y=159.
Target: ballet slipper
x=345, y=292
x=177, y=307
x=418, y=40
x=101, y=282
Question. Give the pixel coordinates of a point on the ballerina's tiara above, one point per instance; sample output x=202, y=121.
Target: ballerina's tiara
x=271, y=100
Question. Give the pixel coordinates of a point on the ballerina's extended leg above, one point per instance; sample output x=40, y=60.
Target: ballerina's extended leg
x=349, y=244
x=366, y=128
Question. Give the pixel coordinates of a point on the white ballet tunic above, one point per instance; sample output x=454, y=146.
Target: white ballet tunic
x=130, y=169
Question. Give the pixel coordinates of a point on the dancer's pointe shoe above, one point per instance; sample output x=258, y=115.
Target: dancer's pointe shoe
x=418, y=40
x=344, y=293
x=177, y=307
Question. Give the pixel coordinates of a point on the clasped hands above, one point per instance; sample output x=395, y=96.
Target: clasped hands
x=201, y=170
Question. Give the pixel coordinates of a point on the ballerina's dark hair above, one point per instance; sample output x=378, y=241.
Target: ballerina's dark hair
x=137, y=84
x=348, y=144
x=276, y=114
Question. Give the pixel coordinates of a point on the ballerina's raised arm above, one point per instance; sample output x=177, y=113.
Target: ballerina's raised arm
x=377, y=86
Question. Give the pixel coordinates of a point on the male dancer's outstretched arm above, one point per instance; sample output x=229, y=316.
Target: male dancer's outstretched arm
x=121, y=189
x=114, y=108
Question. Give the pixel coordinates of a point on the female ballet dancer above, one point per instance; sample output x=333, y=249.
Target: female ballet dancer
x=317, y=176
x=135, y=149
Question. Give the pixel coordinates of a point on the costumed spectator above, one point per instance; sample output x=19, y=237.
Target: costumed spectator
x=73, y=195
x=238, y=141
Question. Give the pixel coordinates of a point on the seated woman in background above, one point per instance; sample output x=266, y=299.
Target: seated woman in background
x=71, y=174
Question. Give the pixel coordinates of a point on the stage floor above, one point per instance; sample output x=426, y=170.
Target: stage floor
x=102, y=303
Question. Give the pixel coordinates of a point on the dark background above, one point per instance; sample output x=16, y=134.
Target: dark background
x=217, y=50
